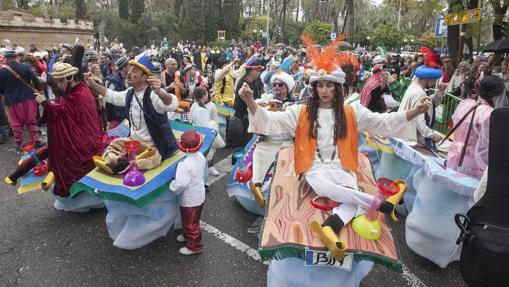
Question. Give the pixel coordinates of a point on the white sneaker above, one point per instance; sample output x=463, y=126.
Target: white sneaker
x=213, y=171
x=185, y=251
x=181, y=238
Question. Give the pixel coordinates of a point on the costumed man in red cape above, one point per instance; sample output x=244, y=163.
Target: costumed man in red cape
x=74, y=136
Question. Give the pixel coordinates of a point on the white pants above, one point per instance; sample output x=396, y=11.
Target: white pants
x=334, y=182
x=217, y=143
x=263, y=157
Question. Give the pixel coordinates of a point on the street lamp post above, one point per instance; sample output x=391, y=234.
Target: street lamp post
x=368, y=38
x=254, y=35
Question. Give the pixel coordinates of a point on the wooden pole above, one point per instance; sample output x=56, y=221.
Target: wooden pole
x=461, y=43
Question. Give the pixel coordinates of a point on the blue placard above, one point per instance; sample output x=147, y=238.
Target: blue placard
x=440, y=28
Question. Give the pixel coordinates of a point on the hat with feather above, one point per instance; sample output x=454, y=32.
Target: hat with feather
x=326, y=62
x=431, y=67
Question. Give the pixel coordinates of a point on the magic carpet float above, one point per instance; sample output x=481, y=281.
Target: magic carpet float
x=238, y=180
x=287, y=239
x=286, y=232
x=137, y=215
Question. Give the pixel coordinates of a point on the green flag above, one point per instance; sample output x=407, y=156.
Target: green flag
x=383, y=50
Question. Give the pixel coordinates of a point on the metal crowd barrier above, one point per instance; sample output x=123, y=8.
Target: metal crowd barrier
x=444, y=113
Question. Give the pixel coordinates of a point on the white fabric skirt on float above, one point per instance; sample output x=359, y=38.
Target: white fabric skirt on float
x=83, y=202
x=132, y=227
x=291, y=272
x=430, y=228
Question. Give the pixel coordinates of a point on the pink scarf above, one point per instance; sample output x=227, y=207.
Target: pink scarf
x=372, y=83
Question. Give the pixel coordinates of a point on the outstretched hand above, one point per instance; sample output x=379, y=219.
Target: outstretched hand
x=423, y=105
x=246, y=94
x=420, y=108
x=155, y=83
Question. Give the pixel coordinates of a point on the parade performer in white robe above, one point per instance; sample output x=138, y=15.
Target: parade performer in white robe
x=326, y=139
x=266, y=150
x=426, y=77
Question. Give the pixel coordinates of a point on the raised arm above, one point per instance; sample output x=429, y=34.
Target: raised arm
x=390, y=124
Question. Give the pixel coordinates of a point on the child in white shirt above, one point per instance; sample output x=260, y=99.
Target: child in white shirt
x=204, y=114
x=190, y=188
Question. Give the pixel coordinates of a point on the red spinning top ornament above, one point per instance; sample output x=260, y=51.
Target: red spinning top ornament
x=244, y=174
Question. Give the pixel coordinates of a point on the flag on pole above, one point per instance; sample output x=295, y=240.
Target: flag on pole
x=382, y=50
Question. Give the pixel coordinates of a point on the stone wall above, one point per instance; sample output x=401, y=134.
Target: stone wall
x=25, y=29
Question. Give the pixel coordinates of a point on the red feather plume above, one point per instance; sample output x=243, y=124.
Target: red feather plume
x=327, y=58
x=431, y=58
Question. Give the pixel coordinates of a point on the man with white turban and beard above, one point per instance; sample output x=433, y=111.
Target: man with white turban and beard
x=267, y=148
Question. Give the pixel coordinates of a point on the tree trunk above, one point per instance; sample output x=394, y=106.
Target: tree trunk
x=102, y=25
x=344, y=23
x=137, y=8
x=352, y=20
x=498, y=24
x=469, y=40
x=453, y=31
x=285, y=4
x=298, y=11
x=123, y=9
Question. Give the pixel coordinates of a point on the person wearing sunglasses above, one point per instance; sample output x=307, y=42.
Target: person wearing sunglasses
x=268, y=146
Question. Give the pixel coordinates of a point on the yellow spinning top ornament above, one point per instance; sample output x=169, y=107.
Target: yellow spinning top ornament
x=367, y=225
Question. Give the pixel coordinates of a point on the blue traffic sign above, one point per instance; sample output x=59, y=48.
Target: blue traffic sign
x=440, y=28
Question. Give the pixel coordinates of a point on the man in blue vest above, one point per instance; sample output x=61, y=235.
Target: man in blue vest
x=146, y=106
x=118, y=83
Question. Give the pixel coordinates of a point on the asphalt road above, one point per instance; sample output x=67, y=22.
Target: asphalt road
x=40, y=246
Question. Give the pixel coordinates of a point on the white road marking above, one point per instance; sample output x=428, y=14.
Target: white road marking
x=224, y=167
x=411, y=279
x=242, y=247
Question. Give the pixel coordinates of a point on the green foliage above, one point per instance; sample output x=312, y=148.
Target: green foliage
x=248, y=25
x=360, y=36
x=213, y=19
x=192, y=21
x=388, y=36
x=428, y=39
x=136, y=10
x=320, y=31
x=219, y=43
x=81, y=9
x=123, y=9
x=293, y=32
x=149, y=30
x=22, y=4
x=231, y=16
